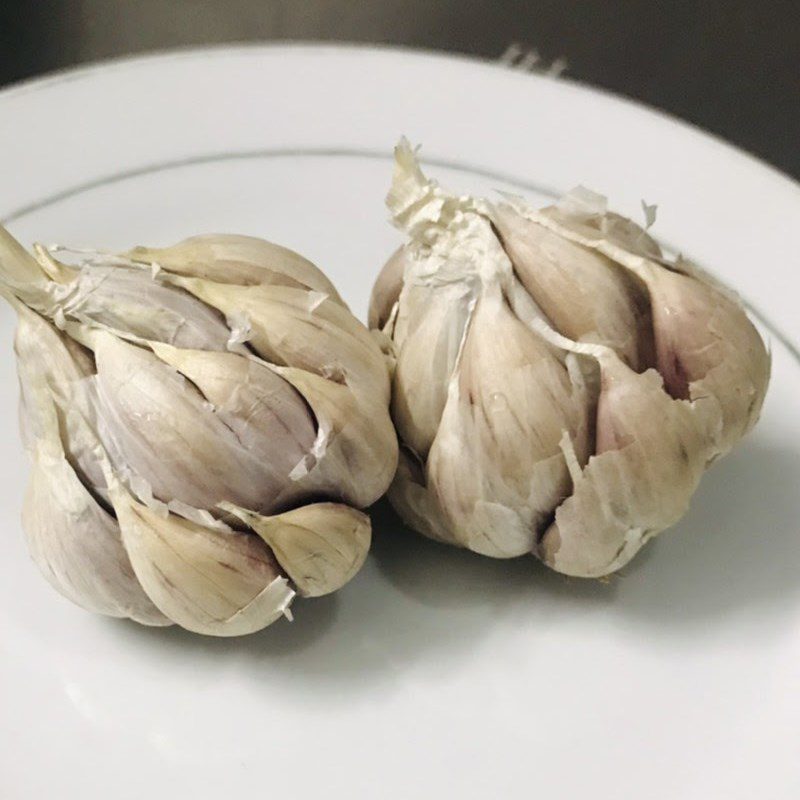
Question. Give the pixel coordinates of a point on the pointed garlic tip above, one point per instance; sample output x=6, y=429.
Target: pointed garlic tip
x=320, y=546
x=52, y=267
x=205, y=580
x=20, y=274
x=386, y=291
x=409, y=184
x=243, y=260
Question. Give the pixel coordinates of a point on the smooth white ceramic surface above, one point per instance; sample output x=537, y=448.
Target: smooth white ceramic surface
x=435, y=673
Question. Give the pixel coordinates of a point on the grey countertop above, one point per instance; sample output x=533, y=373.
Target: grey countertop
x=731, y=67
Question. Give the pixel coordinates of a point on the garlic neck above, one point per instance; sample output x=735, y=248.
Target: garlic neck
x=451, y=237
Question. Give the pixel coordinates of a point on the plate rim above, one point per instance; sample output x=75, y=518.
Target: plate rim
x=87, y=70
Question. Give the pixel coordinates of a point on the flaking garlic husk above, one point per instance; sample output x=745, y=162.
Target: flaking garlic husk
x=561, y=385
x=205, y=422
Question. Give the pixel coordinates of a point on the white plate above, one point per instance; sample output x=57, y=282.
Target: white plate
x=435, y=673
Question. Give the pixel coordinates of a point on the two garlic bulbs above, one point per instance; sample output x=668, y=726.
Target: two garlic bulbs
x=205, y=422
x=560, y=386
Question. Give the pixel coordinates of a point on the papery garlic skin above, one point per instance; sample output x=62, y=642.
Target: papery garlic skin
x=560, y=386
x=240, y=260
x=641, y=477
x=204, y=421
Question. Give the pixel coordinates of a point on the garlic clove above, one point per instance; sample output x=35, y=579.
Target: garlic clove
x=134, y=302
x=291, y=327
x=268, y=416
x=207, y=581
x=44, y=351
x=640, y=480
x=159, y=427
x=585, y=295
x=463, y=359
x=64, y=368
x=386, y=291
x=73, y=540
x=428, y=335
x=355, y=453
x=706, y=345
x=416, y=504
x=496, y=464
x=76, y=545
x=244, y=260
x=321, y=546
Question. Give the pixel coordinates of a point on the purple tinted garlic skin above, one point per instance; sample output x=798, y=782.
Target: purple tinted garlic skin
x=534, y=349
x=205, y=423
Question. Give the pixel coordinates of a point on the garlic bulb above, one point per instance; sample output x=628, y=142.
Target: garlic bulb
x=560, y=386
x=204, y=421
